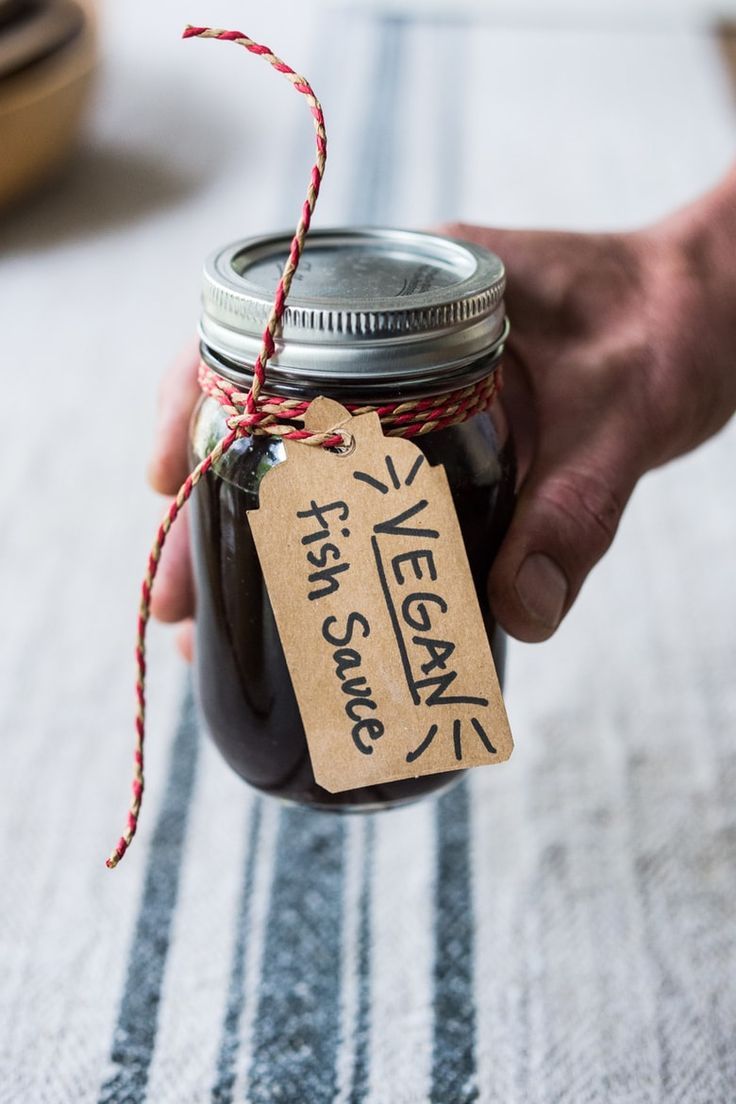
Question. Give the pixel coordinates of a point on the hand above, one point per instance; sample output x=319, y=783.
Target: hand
x=619, y=360
x=172, y=599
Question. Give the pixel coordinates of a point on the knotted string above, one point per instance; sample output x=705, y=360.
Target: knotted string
x=244, y=416
x=406, y=418
x=251, y=412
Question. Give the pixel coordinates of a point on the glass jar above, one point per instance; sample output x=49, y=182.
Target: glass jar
x=374, y=316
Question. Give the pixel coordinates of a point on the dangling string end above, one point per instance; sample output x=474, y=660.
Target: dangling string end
x=243, y=414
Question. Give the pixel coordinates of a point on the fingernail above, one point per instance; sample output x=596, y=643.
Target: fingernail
x=542, y=589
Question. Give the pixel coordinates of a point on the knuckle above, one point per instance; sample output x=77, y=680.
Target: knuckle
x=590, y=506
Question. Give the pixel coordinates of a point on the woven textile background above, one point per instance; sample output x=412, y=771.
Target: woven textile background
x=558, y=930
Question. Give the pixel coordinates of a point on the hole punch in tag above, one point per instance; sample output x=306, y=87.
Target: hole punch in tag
x=367, y=574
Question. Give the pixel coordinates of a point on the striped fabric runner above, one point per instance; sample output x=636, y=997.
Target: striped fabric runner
x=351, y=959
x=558, y=930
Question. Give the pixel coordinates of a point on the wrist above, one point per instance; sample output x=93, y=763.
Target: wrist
x=703, y=235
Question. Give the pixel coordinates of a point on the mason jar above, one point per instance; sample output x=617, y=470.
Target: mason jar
x=374, y=317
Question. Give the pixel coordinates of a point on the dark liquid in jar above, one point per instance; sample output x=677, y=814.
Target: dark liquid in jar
x=243, y=682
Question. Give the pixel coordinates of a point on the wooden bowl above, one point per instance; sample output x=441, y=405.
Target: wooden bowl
x=41, y=108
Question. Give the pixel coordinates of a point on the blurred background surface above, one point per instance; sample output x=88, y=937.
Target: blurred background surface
x=526, y=114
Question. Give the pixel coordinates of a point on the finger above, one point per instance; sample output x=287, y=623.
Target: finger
x=491, y=237
x=518, y=249
x=537, y=263
x=173, y=592
x=179, y=391
x=521, y=249
x=185, y=640
x=566, y=518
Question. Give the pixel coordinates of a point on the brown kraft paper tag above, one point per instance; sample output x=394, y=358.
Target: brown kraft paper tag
x=378, y=617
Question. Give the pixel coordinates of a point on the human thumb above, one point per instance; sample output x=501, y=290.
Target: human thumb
x=566, y=517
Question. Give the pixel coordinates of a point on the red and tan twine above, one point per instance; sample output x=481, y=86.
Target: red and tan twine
x=410, y=418
x=256, y=412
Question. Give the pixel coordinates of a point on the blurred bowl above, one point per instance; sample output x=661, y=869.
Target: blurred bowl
x=10, y=9
x=41, y=108
x=37, y=31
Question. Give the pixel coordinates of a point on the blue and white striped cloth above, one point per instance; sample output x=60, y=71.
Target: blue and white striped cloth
x=320, y=911
x=560, y=929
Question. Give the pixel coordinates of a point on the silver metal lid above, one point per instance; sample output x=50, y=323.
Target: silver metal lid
x=367, y=305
